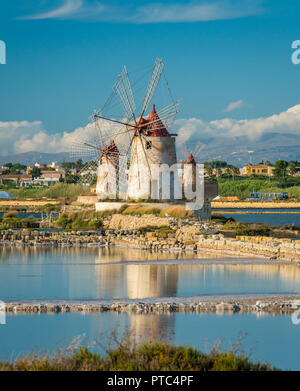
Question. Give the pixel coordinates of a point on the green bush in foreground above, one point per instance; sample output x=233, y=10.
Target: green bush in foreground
x=150, y=356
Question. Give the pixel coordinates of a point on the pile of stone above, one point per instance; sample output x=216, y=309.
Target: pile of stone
x=269, y=305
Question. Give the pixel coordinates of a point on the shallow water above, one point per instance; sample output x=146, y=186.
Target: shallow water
x=87, y=274
x=92, y=273
x=35, y=215
x=269, y=338
x=256, y=215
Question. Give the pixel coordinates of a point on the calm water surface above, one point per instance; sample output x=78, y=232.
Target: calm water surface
x=267, y=338
x=86, y=274
x=33, y=214
x=256, y=215
x=80, y=274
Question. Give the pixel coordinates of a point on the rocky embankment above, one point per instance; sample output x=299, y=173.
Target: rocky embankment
x=189, y=236
x=272, y=304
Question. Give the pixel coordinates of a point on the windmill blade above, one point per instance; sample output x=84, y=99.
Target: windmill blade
x=185, y=152
x=88, y=173
x=198, y=150
x=152, y=85
x=145, y=154
x=122, y=89
x=83, y=150
x=173, y=107
x=120, y=133
x=129, y=93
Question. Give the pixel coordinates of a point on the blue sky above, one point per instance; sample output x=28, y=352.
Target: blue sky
x=226, y=58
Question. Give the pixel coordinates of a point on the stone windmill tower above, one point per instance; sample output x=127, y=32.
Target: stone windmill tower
x=152, y=144
x=108, y=171
x=133, y=141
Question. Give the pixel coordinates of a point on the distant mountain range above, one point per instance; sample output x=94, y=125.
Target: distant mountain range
x=234, y=150
x=241, y=150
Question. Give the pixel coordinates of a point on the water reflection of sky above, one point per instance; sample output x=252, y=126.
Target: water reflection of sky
x=271, y=338
x=286, y=216
x=107, y=273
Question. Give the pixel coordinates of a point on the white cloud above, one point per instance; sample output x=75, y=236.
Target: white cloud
x=67, y=9
x=11, y=132
x=17, y=137
x=25, y=136
x=195, y=130
x=195, y=11
x=234, y=106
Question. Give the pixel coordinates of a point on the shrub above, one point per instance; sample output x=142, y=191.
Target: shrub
x=150, y=356
x=95, y=223
x=106, y=213
x=244, y=229
x=79, y=220
x=138, y=210
x=122, y=208
x=222, y=219
x=161, y=232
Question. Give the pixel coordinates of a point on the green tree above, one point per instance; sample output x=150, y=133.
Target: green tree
x=219, y=172
x=72, y=178
x=35, y=172
x=79, y=164
x=280, y=169
x=209, y=171
x=17, y=168
x=292, y=167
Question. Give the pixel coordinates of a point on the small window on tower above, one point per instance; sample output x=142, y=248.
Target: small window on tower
x=148, y=144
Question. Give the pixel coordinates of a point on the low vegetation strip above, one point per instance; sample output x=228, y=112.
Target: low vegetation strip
x=242, y=186
x=150, y=356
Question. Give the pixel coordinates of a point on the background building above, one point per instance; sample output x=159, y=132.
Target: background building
x=258, y=169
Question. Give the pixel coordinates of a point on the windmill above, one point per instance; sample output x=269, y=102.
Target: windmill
x=191, y=153
x=125, y=144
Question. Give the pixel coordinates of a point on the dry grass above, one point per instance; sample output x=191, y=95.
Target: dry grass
x=177, y=211
x=138, y=210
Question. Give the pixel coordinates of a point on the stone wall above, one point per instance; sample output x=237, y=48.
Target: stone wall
x=87, y=200
x=134, y=222
x=186, y=238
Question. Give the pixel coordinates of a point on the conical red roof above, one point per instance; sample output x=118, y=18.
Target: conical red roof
x=156, y=128
x=191, y=159
x=111, y=148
